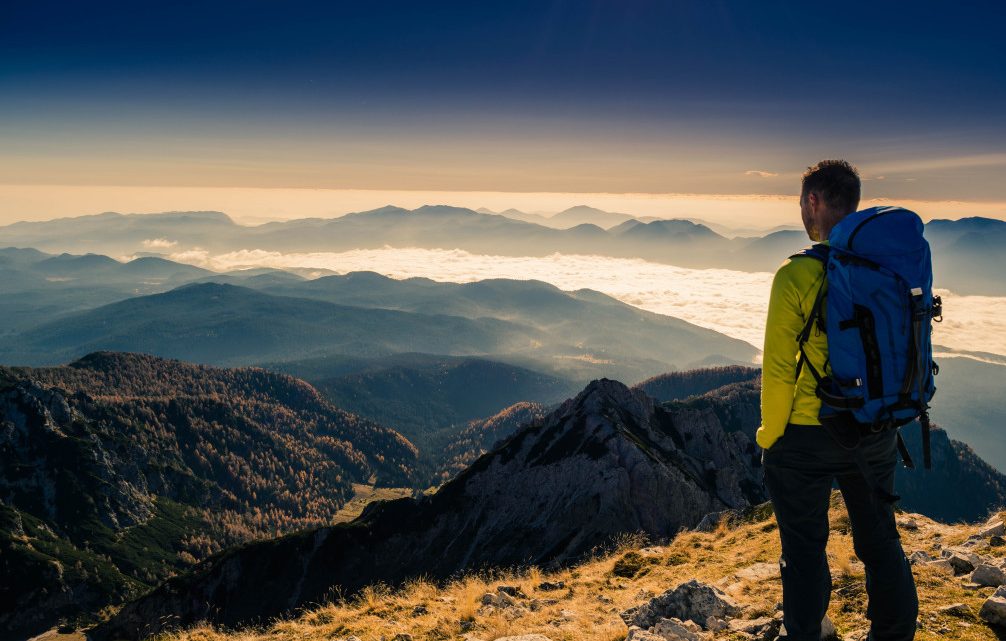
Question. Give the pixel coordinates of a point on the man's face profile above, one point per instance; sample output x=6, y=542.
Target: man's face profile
x=807, y=215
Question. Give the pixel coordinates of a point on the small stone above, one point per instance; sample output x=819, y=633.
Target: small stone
x=489, y=598
x=955, y=610
x=942, y=565
x=420, y=610
x=994, y=610
x=993, y=528
x=676, y=630
x=920, y=556
x=987, y=575
x=715, y=624
x=402, y=636
x=637, y=633
x=537, y=604
x=512, y=590
x=548, y=586
x=604, y=598
x=759, y=572
x=750, y=626
x=909, y=524
x=960, y=563
x=997, y=541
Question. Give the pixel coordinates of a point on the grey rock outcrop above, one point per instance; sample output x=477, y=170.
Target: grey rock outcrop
x=547, y=495
x=40, y=432
x=692, y=601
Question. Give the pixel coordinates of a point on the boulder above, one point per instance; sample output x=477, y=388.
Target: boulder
x=994, y=609
x=919, y=556
x=548, y=586
x=512, y=590
x=961, y=563
x=956, y=610
x=993, y=528
x=677, y=630
x=692, y=601
x=987, y=575
x=711, y=521
x=637, y=633
x=941, y=565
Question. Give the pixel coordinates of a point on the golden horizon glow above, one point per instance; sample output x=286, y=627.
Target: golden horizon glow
x=251, y=205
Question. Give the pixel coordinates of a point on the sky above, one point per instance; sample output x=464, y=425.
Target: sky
x=647, y=98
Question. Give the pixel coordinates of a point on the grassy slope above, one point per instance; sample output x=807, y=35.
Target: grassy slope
x=587, y=609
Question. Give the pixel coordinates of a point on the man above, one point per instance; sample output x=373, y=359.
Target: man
x=802, y=460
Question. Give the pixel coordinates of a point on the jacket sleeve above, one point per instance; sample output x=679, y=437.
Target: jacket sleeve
x=779, y=355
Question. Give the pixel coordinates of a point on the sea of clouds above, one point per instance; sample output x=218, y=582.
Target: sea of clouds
x=731, y=302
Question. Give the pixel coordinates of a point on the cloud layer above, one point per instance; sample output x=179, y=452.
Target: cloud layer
x=731, y=302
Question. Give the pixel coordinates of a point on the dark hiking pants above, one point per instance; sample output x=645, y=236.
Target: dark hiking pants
x=799, y=470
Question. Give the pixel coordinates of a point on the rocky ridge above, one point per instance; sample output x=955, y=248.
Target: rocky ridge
x=548, y=495
x=700, y=586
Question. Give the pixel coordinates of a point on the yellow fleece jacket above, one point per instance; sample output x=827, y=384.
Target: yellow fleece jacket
x=783, y=398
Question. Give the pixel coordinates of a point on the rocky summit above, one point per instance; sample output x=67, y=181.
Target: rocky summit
x=607, y=462
x=721, y=584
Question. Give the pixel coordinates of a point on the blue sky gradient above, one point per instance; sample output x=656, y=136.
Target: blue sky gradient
x=621, y=96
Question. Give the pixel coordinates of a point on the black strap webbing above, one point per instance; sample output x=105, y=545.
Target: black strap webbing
x=927, y=460
x=905, y=456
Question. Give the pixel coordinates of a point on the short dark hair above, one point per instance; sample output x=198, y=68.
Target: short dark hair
x=836, y=182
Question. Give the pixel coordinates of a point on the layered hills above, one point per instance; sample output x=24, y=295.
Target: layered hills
x=526, y=323
x=969, y=260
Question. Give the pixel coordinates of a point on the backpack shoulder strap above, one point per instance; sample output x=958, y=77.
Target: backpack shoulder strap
x=818, y=251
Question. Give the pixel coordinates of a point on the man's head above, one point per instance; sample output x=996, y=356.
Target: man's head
x=830, y=190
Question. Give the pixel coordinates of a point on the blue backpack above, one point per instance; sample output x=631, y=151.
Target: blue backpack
x=878, y=316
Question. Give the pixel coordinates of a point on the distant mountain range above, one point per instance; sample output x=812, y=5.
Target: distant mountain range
x=527, y=323
x=968, y=260
x=607, y=462
x=60, y=307
x=119, y=470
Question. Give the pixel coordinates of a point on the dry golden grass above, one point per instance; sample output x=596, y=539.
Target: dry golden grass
x=587, y=609
x=366, y=493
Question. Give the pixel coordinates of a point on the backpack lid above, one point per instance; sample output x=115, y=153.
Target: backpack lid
x=879, y=232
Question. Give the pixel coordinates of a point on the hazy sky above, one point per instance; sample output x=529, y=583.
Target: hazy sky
x=581, y=96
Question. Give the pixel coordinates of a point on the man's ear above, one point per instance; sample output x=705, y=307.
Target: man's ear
x=813, y=201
